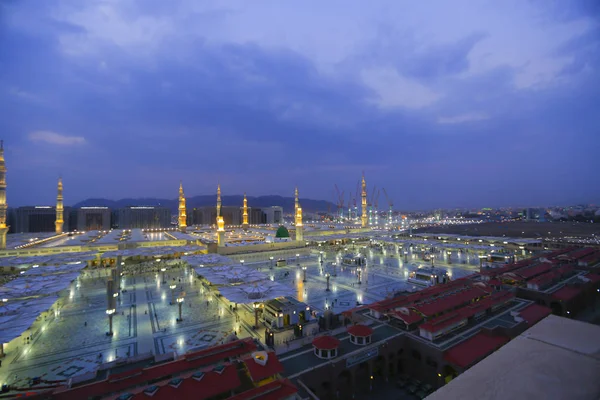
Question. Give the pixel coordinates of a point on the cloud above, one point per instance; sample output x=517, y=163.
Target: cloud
x=55, y=138
x=319, y=104
x=462, y=118
x=393, y=90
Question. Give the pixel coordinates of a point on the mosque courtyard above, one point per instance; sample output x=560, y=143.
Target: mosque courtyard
x=70, y=339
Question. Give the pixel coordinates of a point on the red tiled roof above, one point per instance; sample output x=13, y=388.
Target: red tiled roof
x=360, y=330
x=474, y=349
x=212, y=384
x=534, y=313
x=550, y=276
x=581, y=253
x=326, y=342
x=449, y=302
x=259, y=372
x=443, y=321
x=532, y=271
x=591, y=257
x=495, y=282
x=123, y=381
x=593, y=277
x=276, y=390
x=410, y=318
x=566, y=293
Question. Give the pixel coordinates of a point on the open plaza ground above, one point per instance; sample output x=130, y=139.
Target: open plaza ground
x=70, y=339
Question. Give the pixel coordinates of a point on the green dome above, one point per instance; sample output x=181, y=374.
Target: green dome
x=282, y=232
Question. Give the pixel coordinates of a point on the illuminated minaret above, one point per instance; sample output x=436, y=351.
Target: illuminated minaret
x=218, y=202
x=296, y=204
x=363, y=195
x=3, y=205
x=182, y=213
x=220, y=220
x=299, y=226
x=245, y=213
x=59, y=208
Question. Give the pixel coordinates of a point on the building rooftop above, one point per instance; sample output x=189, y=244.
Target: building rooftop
x=558, y=358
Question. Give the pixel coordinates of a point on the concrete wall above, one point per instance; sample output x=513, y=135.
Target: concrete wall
x=259, y=248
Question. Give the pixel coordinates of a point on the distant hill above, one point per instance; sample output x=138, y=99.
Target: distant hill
x=287, y=203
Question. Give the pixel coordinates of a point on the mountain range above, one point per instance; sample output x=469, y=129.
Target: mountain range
x=308, y=205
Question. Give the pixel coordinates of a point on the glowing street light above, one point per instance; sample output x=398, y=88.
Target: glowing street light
x=359, y=273
x=271, y=259
x=163, y=275
x=180, y=302
x=172, y=287
x=304, y=272
x=327, y=276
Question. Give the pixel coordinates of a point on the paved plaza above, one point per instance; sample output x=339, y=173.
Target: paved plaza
x=70, y=339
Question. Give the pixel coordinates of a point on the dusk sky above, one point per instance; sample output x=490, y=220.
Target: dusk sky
x=456, y=103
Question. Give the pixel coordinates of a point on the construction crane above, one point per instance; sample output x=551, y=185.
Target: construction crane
x=377, y=208
x=370, y=202
x=390, y=203
x=356, y=197
x=340, y=202
x=349, y=206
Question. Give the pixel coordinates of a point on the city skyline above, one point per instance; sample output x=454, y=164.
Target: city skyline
x=473, y=106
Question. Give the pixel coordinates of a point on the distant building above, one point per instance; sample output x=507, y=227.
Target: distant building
x=143, y=217
x=233, y=215
x=273, y=215
x=93, y=219
x=37, y=219
x=535, y=214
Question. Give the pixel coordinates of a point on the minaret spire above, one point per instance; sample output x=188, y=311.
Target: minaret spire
x=220, y=220
x=218, y=200
x=3, y=205
x=364, y=217
x=245, y=213
x=182, y=211
x=299, y=225
x=296, y=201
x=59, y=208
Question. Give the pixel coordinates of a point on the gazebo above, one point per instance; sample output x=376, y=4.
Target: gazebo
x=360, y=334
x=326, y=347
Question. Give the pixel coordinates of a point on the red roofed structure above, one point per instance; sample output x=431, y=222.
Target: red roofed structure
x=142, y=377
x=326, y=347
x=474, y=349
x=360, y=330
x=259, y=372
x=326, y=342
x=281, y=389
x=534, y=313
x=211, y=384
x=566, y=293
x=451, y=301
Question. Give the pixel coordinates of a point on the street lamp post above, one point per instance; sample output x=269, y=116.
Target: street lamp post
x=242, y=262
x=271, y=258
x=432, y=258
x=304, y=272
x=256, y=307
x=172, y=287
x=327, y=276
x=163, y=275
x=359, y=273
x=333, y=265
x=321, y=257
x=405, y=256
x=110, y=327
x=298, y=259
x=180, y=302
